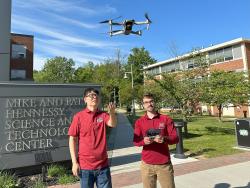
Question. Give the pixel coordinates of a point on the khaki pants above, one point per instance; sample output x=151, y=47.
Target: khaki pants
x=163, y=173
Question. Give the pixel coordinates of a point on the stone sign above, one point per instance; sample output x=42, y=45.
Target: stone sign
x=34, y=126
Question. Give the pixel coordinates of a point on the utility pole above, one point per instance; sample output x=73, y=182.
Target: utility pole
x=5, y=20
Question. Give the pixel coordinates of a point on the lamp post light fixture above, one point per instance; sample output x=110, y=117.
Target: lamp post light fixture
x=132, y=85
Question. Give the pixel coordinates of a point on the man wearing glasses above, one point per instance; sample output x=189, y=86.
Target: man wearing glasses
x=88, y=131
x=155, y=132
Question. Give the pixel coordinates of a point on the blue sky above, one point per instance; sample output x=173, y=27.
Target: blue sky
x=71, y=28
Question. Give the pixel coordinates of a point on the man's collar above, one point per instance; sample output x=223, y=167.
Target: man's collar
x=156, y=115
x=89, y=111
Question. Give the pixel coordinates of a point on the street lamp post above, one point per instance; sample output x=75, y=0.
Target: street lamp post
x=132, y=84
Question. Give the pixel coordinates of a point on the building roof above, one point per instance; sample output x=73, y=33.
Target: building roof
x=23, y=35
x=212, y=47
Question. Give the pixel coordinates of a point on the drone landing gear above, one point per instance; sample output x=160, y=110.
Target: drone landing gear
x=137, y=32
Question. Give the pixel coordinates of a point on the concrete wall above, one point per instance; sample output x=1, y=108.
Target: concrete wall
x=5, y=20
x=34, y=121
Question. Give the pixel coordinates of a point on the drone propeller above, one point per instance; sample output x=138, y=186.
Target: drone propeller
x=108, y=21
x=105, y=21
x=148, y=20
x=146, y=16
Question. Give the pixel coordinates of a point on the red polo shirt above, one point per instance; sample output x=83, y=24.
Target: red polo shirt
x=155, y=153
x=90, y=128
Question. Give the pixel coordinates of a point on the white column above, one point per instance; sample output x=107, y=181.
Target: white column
x=244, y=56
x=5, y=20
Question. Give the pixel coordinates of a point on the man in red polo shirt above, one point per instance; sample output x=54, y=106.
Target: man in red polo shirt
x=155, y=132
x=88, y=130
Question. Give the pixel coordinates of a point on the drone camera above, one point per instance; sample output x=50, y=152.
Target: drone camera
x=152, y=133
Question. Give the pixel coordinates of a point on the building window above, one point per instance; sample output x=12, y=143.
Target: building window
x=171, y=67
x=190, y=65
x=17, y=74
x=225, y=54
x=212, y=57
x=154, y=71
x=228, y=54
x=18, y=51
x=219, y=56
x=237, y=52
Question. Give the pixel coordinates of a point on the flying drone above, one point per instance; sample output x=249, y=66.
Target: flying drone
x=127, y=26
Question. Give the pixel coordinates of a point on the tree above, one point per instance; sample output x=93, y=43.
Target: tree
x=57, y=69
x=139, y=58
x=223, y=88
x=104, y=75
x=182, y=89
x=125, y=92
x=84, y=74
x=157, y=91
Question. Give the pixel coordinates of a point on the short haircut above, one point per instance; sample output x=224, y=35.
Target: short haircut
x=89, y=90
x=148, y=95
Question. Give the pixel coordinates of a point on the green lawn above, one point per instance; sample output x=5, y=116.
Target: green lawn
x=207, y=137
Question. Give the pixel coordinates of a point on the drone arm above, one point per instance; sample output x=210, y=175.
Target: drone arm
x=141, y=23
x=137, y=32
x=116, y=32
x=116, y=23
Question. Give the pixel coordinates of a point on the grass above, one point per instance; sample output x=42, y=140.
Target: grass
x=207, y=137
x=39, y=184
x=67, y=179
x=62, y=174
x=56, y=170
x=7, y=180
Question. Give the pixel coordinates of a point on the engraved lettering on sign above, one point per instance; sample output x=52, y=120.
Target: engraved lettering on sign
x=36, y=123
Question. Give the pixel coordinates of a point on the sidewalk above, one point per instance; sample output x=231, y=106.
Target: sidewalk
x=231, y=171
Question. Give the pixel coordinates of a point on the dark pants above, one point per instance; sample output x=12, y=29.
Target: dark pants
x=102, y=178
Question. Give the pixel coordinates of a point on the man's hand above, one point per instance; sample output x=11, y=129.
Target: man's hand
x=111, y=108
x=147, y=140
x=159, y=139
x=75, y=169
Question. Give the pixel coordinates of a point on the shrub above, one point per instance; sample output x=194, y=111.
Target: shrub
x=7, y=180
x=56, y=171
x=39, y=184
x=67, y=179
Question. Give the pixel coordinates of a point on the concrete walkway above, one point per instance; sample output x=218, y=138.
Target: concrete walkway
x=231, y=171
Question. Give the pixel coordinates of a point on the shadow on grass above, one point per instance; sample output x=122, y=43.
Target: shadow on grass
x=224, y=121
x=200, y=152
x=220, y=130
x=191, y=135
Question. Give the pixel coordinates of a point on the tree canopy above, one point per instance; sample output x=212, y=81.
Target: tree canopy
x=57, y=70
x=223, y=88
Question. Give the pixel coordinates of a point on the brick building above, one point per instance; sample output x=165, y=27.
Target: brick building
x=232, y=55
x=21, y=57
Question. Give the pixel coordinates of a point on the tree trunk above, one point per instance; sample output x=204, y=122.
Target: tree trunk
x=220, y=111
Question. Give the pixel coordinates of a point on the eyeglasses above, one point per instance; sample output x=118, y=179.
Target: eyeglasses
x=148, y=102
x=92, y=95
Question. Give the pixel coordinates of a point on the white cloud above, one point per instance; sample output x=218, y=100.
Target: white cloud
x=63, y=6
x=73, y=21
x=35, y=27
x=70, y=53
x=50, y=51
x=58, y=29
x=39, y=62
